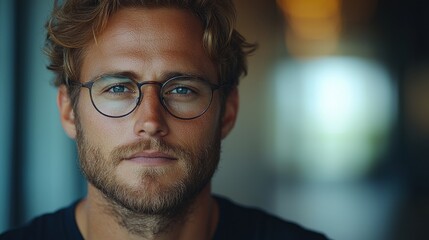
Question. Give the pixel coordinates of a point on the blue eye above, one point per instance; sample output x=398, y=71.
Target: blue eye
x=118, y=89
x=181, y=90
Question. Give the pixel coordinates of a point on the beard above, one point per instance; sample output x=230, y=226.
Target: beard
x=152, y=195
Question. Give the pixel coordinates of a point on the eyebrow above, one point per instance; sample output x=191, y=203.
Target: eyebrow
x=163, y=78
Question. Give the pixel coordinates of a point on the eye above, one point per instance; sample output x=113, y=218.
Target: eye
x=114, y=86
x=118, y=89
x=181, y=90
x=186, y=89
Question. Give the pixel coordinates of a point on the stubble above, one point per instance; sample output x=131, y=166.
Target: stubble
x=151, y=209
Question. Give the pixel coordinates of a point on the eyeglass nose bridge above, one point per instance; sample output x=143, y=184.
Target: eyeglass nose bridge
x=141, y=84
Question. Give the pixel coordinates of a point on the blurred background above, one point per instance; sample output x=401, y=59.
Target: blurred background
x=333, y=130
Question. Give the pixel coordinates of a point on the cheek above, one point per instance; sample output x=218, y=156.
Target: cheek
x=200, y=131
x=98, y=130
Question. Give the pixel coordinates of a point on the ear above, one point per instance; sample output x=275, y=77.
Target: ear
x=230, y=114
x=66, y=112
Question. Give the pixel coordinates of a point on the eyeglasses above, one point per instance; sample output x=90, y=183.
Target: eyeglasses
x=184, y=97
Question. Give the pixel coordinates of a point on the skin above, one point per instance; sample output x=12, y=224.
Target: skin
x=150, y=43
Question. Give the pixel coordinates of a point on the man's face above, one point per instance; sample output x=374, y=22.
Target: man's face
x=149, y=161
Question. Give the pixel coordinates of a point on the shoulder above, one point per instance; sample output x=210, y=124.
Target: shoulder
x=58, y=225
x=240, y=222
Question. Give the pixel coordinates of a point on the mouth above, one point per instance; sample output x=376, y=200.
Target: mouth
x=151, y=158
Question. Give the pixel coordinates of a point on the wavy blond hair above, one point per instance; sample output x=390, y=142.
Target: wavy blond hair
x=75, y=23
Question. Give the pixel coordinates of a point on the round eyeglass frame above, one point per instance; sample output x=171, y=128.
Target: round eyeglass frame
x=161, y=85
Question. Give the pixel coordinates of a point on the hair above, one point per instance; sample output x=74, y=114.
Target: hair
x=74, y=24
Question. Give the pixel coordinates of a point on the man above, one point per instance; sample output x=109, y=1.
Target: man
x=148, y=89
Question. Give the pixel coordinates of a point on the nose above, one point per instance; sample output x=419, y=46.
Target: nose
x=150, y=114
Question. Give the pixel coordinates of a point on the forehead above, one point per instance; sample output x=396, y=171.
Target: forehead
x=151, y=21
x=148, y=37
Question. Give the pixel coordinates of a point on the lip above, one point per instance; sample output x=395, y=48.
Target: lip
x=151, y=158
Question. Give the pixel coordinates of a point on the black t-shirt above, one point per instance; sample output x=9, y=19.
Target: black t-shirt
x=235, y=222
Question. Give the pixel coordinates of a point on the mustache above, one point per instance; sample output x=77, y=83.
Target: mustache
x=126, y=151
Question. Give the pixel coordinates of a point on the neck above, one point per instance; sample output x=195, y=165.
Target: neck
x=99, y=218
